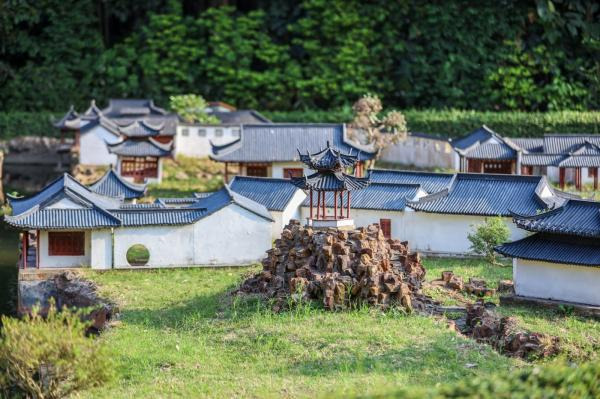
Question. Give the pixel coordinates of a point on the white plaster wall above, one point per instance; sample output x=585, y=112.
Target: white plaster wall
x=47, y=261
x=168, y=245
x=101, y=254
x=194, y=145
x=442, y=233
x=557, y=281
x=552, y=173
x=93, y=149
x=420, y=152
x=231, y=236
x=365, y=217
x=277, y=168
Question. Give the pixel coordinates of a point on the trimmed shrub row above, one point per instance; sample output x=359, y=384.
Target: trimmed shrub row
x=456, y=123
x=446, y=123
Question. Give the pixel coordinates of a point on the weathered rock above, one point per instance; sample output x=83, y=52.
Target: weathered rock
x=503, y=333
x=340, y=268
x=506, y=286
x=455, y=283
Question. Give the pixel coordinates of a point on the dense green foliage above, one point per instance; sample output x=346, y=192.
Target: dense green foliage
x=532, y=55
x=556, y=381
x=447, y=123
x=191, y=108
x=50, y=357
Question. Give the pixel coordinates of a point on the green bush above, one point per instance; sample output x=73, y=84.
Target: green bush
x=50, y=357
x=487, y=235
x=456, y=123
x=14, y=124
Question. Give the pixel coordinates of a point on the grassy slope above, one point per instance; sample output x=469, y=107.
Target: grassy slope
x=181, y=335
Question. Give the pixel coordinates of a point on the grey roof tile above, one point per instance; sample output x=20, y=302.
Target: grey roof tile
x=274, y=194
x=574, y=217
x=430, y=182
x=281, y=143
x=488, y=195
x=140, y=148
x=113, y=185
x=492, y=151
x=555, y=249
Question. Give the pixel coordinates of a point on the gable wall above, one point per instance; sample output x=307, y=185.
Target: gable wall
x=420, y=152
x=555, y=281
x=93, y=149
x=194, y=145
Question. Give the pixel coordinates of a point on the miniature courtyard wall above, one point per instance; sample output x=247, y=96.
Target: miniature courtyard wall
x=195, y=145
x=538, y=279
x=93, y=149
x=230, y=236
x=291, y=211
x=421, y=151
x=439, y=233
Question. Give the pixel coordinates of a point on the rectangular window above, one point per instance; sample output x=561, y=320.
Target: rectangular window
x=185, y=132
x=256, y=171
x=218, y=132
x=386, y=227
x=202, y=132
x=63, y=243
x=292, y=172
x=235, y=132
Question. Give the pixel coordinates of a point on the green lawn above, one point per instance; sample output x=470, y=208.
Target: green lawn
x=182, y=335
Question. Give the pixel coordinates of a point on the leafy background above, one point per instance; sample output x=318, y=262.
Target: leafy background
x=286, y=55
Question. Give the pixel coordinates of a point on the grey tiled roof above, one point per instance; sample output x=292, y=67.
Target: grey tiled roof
x=555, y=249
x=580, y=161
x=112, y=185
x=241, y=117
x=566, y=143
x=141, y=128
x=184, y=201
x=430, y=182
x=327, y=181
x=140, y=148
x=541, y=159
x=530, y=144
x=492, y=151
x=378, y=196
x=70, y=120
x=225, y=196
x=131, y=108
x=488, y=195
x=479, y=135
x=63, y=219
x=98, y=211
x=574, y=217
x=274, y=194
x=281, y=143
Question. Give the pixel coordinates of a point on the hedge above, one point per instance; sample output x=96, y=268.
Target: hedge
x=448, y=123
x=456, y=123
x=555, y=380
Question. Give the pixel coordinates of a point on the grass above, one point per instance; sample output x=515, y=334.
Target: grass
x=182, y=335
x=184, y=176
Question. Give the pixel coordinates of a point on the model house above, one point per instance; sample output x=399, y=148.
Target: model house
x=563, y=158
x=561, y=259
x=271, y=150
x=279, y=196
x=72, y=226
x=430, y=182
x=196, y=139
x=442, y=221
x=99, y=136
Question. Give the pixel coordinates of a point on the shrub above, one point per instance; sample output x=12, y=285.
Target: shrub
x=50, y=357
x=487, y=235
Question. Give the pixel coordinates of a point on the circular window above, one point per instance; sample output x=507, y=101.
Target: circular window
x=138, y=255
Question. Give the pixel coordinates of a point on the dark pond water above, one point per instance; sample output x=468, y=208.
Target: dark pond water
x=23, y=179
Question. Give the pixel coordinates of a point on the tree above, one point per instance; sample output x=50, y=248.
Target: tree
x=370, y=127
x=486, y=236
x=192, y=108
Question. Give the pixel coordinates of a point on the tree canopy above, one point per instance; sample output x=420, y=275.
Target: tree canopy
x=532, y=55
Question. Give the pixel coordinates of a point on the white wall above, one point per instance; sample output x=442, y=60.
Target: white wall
x=445, y=234
x=277, y=169
x=545, y=280
x=194, y=145
x=101, y=254
x=168, y=245
x=420, y=152
x=47, y=261
x=93, y=149
x=365, y=217
x=552, y=173
x=231, y=236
